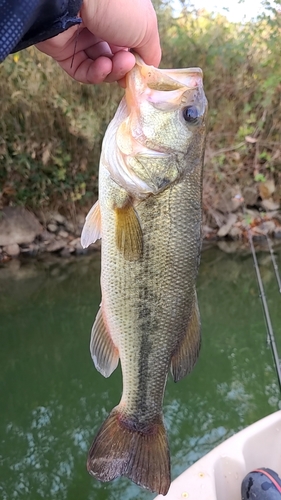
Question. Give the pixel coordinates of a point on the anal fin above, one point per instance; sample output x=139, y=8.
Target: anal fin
x=187, y=353
x=128, y=233
x=103, y=351
x=121, y=449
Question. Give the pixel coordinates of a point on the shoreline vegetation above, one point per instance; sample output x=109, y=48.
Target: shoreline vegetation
x=52, y=128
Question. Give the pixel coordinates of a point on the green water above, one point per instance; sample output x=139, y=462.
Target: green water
x=52, y=400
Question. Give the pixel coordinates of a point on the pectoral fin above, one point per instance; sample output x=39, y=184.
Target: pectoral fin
x=103, y=351
x=91, y=231
x=128, y=233
x=187, y=353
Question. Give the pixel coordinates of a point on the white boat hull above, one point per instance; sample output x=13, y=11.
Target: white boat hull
x=219, y=474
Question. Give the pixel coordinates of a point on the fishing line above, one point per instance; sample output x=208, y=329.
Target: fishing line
x=75, y=45
x=270, y=332
x=274, y=263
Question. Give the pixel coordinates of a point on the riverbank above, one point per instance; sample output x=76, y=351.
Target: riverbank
x=22, y=233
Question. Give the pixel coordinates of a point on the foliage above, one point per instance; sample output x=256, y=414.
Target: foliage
x=52, y=127
x=50, y=133
x=242, y=80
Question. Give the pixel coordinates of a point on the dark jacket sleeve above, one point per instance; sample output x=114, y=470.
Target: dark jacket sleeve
x=26, y=22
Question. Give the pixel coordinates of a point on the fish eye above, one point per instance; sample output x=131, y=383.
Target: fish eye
x=190, y=114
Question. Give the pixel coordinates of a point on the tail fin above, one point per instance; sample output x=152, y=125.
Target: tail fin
x=120, y=449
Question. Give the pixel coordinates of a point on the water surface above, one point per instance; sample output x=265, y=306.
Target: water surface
x=53, y=400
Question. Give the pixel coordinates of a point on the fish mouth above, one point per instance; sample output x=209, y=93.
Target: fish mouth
x=172, y=79
x=165, y=89
x=166, y=79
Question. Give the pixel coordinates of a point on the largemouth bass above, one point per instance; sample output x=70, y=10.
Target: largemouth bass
x=149, y=218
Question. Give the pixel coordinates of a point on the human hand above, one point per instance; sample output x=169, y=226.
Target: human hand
x=99, y=51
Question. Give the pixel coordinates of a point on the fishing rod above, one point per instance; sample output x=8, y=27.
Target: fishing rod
x=274, y=263
x=270, y=332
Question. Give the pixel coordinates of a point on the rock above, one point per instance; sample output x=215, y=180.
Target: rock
x=69, y=226
x=229, y=201
x=52, y=227
x=63, y=234
x=228, y=246
x=12, y=250
x=224, y=230
x=277, y=233
x=45, y=236
x=254, y=214
x=80, y=219
x=75, y=242
x=67, y=251
x=32, y=249
x=214, y=219
x=276, y=215
x=18, y=226
x=250, y=195
x=268, y=227
x=266, y=189
x=55, y=245
x=258, y=230
x=258, y=236
x=235, y=232
x=206, y=230
x=269, y=204
x=56, y=217
x=77, y=232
